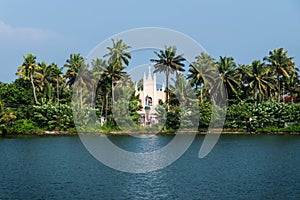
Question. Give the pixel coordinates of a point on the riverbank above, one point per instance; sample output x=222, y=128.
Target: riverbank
x=223, y=132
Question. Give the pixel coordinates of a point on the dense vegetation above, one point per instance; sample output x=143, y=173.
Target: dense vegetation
x=261, y=96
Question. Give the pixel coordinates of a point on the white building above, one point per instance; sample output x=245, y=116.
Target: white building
x=150, y=96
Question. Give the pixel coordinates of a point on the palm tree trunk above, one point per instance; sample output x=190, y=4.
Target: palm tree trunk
x=167, y=87
x=33, y=88
x=93, y=94
x=106, y=104
x=283, y=92
x=57, y=90
x=255, y=92
x=278, y=79
x=102, y=106
x=201, y=95
x=112, y=91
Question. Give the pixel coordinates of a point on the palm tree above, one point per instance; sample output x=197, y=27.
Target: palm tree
x=117, y=56
x=6, y=117
x=28, y=70
x=281, y=65
x=228, y=79
x=118, y=53
x=114, y=73
x=43, y=79
x=259, y=80
x=100, y=87
x=168, y=62
x=73, y=64
x=182, y=90
x=294, y=83
x=83, y=85
x=201, y=72
x=56, y=78
x=243, y=71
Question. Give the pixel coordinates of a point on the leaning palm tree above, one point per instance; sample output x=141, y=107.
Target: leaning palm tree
x=168, y=62
x=259, y=80
x=201, y=72
x=73, y=64
x=28, y=70
x=281, y=65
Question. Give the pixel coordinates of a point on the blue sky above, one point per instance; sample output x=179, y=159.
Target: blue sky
x=246, y=30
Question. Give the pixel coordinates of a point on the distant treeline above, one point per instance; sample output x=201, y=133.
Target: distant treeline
x=260, y=95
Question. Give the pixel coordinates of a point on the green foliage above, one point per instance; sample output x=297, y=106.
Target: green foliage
x=53, y=116
x=24, y=126
x=205, y=115
x=6, y=118
x=263, y=115
x=40, y=98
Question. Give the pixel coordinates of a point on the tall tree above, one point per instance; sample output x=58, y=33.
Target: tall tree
x=57, y=79
x=28, y=70
x=101, y=88
x=201, y=72
x=259, y=80
x=6, y=117
x=281, y=65
x=168, y=62
x=43, y=80
x=73, y=64
x=228, y=79
x=118, y=53
x=117, y=56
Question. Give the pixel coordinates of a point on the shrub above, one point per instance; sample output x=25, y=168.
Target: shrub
x=24, y=126
x=53, y=116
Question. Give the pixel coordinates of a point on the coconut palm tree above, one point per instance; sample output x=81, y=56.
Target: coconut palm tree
x=243, y=71
x=118, y=55
x=28, y=70
x=100, y=87
x=114, y=72
x=259, y=80
x=281, y=65
x=168, y=62
x=56, y=78
x=73, y=64
x=182, y=90
x=201, y=72
x=6, y=117
x=228, y=81
x=293, y=85
x=43, y=80
x=118, y=52
x=83, y=85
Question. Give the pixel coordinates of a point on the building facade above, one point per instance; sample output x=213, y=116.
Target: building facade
x=150, y=96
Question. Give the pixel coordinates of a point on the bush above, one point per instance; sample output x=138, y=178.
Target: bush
x=266, y=115
x=53, y=116
x=24, y=126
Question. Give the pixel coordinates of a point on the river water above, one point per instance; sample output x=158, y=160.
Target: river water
x=239, y=167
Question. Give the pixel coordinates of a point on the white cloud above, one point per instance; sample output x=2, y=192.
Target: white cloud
x=11, y=34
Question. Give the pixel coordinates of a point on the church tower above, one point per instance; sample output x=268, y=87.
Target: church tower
x=150, y=95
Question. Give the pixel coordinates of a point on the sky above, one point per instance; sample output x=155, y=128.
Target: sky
x=245, y=30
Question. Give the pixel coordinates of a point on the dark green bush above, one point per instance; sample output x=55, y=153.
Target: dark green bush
x=24, y=126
